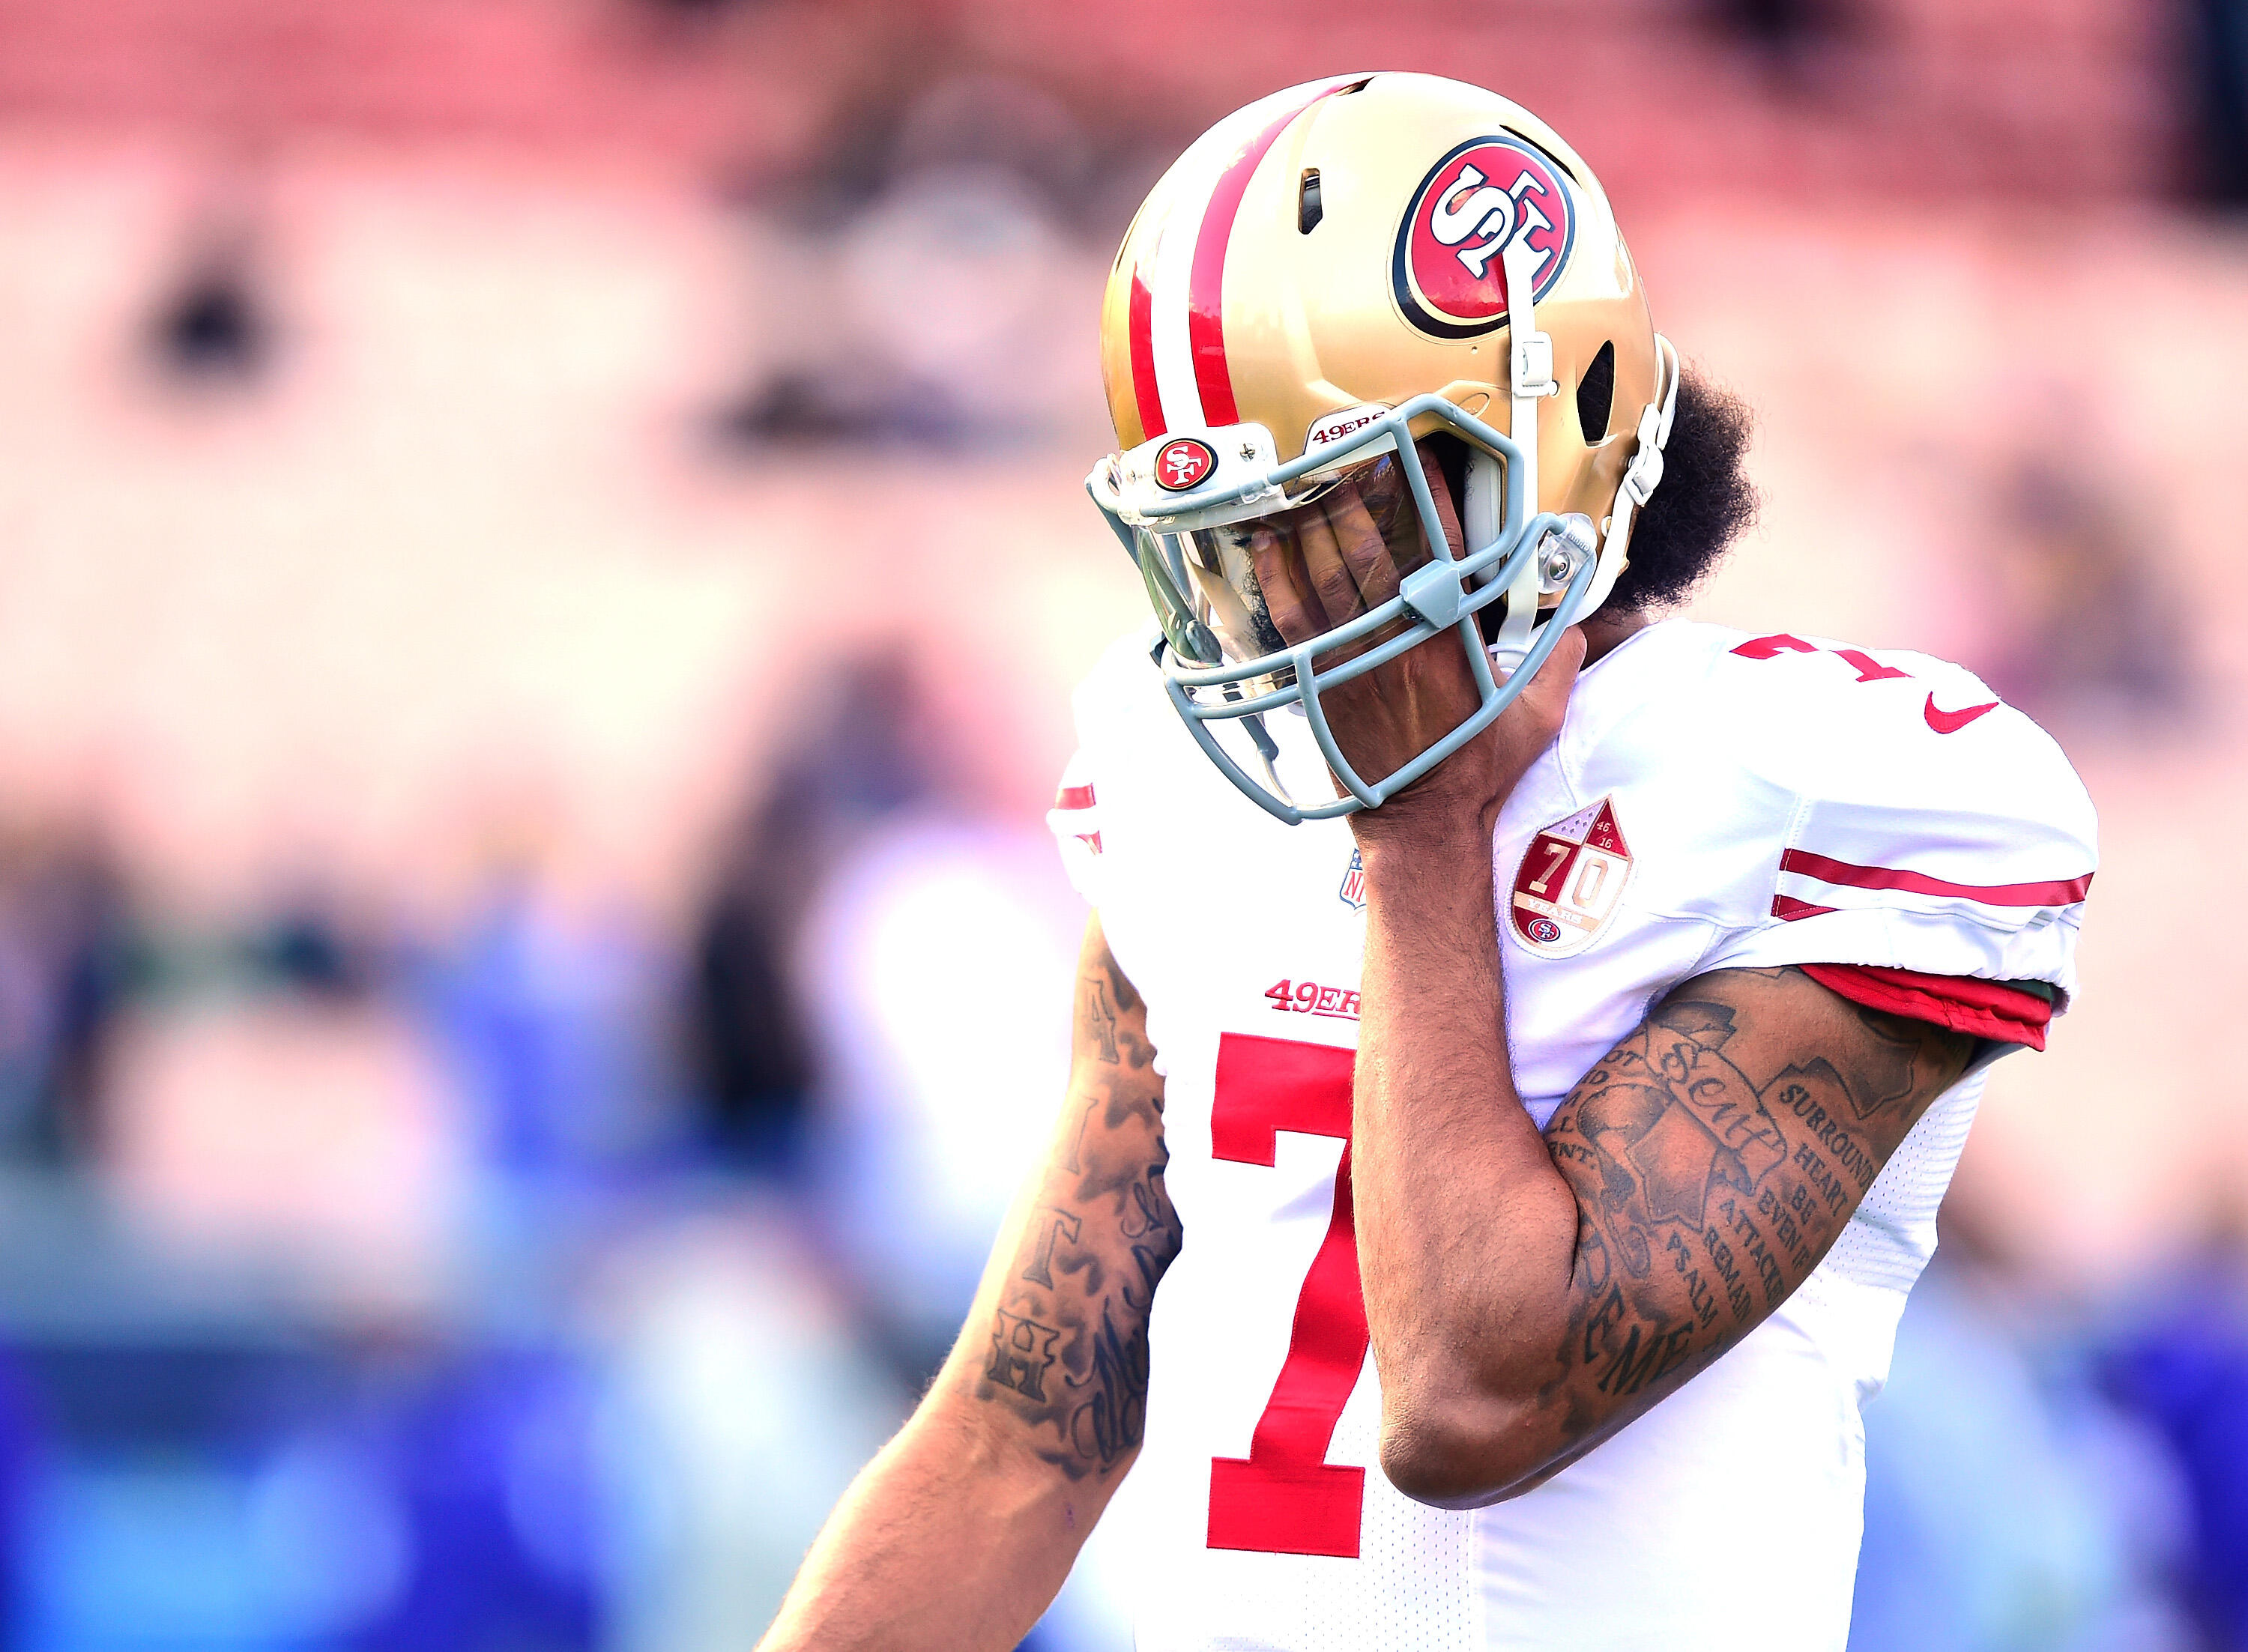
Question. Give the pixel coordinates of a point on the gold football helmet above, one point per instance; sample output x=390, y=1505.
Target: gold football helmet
x=1323, y=278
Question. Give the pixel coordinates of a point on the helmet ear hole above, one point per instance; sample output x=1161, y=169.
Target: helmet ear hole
x=1308, y=210
x=1596, y=394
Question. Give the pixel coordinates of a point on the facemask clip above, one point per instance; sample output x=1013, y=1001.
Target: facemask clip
x=1563, y=550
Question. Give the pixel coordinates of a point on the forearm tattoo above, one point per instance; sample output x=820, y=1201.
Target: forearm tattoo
x=1068, y=1351
x=1716, y=1154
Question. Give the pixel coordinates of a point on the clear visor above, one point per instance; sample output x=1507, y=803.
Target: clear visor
x=1238, y=591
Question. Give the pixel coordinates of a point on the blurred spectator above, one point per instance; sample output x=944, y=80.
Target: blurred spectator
x=1783, y=28
x=226, y=1495
x=749, y=1043
x=2184, y=1369
x=211, y=327
x=492, y=1457
x=25, y=1445
x=875, y=941
x=928, y=306
x=701, y=9
x=741, y=1402
x=863, y=756
x=2090, y=624
x=187, y=1502
x=304, y=944
x=886, y=969
x=553, y=1016
x=2007, y=1504
x=2215, y=53
x=65, y=951
x=939, y=964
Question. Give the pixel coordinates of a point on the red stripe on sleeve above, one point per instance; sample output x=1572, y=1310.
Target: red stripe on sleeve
x=1787, y=908
x=1073, y=796
x=1997, y=894
x=1981, y=1009
x=1206, y=281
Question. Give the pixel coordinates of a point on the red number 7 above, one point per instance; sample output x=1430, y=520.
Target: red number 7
x=1285, y=1497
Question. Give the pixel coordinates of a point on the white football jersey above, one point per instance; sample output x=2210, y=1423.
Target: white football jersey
x=1714, y=800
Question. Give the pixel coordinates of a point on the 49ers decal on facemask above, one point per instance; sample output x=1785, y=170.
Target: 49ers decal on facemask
x=1448, y=277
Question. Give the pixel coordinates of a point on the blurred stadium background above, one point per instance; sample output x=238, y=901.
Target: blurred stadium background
x=541, y=559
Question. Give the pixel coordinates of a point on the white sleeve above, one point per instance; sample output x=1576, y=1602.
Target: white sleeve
x=1075, y=821
x=1963, y=859
x=1110, y=706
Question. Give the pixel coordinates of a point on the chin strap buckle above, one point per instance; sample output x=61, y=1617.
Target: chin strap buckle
x=1641, y=476
x=1530, y=362
x=1530, y=356
x=1644, y=474
x=1533, y=365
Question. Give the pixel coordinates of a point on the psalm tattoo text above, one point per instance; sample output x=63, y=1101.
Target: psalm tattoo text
x=1705, y=1196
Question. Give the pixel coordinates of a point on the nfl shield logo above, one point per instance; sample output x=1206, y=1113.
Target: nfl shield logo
x=1570, y=881
x=1353, y=884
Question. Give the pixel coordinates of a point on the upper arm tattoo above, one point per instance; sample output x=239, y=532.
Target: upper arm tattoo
x=1068, y=1350
x=1716, y=1154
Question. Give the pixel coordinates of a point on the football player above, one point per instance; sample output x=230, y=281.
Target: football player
x=1522, y=1041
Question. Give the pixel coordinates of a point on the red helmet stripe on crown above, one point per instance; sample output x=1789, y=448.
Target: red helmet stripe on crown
x=1141, y=328
x=1206, y=287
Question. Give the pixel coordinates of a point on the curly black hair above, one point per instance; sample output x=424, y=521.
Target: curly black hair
x=1705, y=502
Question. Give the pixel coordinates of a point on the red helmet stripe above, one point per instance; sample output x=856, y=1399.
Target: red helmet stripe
x=1142, y=332
x=1206, y=286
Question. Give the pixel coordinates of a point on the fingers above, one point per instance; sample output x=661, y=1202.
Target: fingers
x=1333, y=560
x=1441, y=493
x=1322, y=565
x=1331, y=576
x=1288, y=600
x=1544, y=700
x=1364, y=552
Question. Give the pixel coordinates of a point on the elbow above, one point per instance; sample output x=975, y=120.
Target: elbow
x=1465, y=1452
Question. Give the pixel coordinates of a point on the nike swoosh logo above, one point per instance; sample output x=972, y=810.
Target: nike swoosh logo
x=1951, y=721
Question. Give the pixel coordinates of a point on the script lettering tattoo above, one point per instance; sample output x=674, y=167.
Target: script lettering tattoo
x=1628, y=1369
x=1667, y=1120
x=1698, y=1296
x=1716, y=1154
x=1111, y=1419
x=1069, y=1354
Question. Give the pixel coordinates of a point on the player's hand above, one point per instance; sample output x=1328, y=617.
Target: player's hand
x=1330, y=562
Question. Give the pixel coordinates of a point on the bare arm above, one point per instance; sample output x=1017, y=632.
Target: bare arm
x=958, y=1534
x=1715, y=1156
x=1527, y=1297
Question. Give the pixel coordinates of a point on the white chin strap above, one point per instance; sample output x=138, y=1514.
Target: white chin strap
x=1530, y=380
x=1530, y=374
x=1640, y=476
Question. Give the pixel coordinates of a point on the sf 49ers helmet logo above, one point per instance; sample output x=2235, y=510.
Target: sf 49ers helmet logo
x=1449, y=277
x=1571, y=881
x=1183, y=464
